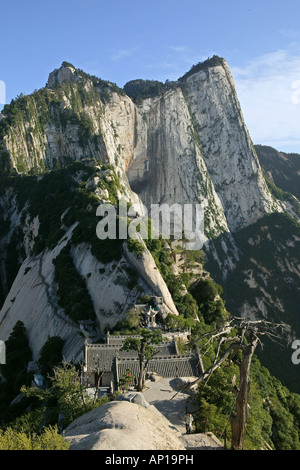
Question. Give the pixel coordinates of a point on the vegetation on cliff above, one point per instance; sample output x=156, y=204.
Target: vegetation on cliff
x=208, y=63
x=62, y=199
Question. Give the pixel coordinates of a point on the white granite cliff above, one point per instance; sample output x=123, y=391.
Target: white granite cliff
x=189, y=144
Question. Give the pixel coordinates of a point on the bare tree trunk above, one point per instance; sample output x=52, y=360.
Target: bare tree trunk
x=238, y=421
x=245, y=338
x=140, y=384
x=99, y=375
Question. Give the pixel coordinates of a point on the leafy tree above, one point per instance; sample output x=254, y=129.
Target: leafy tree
x=51, y=355
x=136, y=246
x=131, y=322
x=178, y=322
x=145, y=349
x=210, y=418
x=126, y=379
x=66, y=396
x=18, y=354
x=73, y=294
x=284, y=432
x=187, y=307
x=196, y=256
x=293, y=403
x=31, y=421
x=208, y=297
x=18, y=351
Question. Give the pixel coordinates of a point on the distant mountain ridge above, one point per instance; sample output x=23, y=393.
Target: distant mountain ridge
x=283, y=168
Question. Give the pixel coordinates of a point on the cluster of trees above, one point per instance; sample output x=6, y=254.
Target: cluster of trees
x=273, y=420
x=274, y=417
x=210, y=62
x=58, y=200
x=272, y=261
x=48, y=439
x=237, y=396
x=73, y=295
x=271, y=413
x=139, y=89
x=49, y=198
x=274, y=412
x=33, y=418
x=198, y=300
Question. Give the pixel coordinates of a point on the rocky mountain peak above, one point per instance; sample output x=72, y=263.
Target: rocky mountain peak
x=66, y=71
x=214, y=61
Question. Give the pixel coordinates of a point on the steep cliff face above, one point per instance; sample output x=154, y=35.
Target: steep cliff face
x=183, y=142
x=226, y=146
x=167, y=165
x=188, y=144
x=52, y=297
x=193, y=146
x=75, y=117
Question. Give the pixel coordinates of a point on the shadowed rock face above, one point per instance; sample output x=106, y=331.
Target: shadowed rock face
x=193, y=146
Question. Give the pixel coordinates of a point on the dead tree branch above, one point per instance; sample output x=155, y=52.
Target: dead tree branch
x=237, y=334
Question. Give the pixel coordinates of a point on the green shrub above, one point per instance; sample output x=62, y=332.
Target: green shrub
x=73, y=295
x=138, y=90
x=210, y=62
x=50, y=355
x=136, y=247
x=49, y=439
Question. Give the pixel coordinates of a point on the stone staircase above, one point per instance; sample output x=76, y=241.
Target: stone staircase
x=174, y=409
x=198, y=441
x=201, y=441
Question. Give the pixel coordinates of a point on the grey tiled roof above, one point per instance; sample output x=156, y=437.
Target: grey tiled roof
x=102, y=355
x=165, y=366
x=166, y=363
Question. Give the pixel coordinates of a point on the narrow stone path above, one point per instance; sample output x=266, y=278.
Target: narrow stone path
x=166, y=397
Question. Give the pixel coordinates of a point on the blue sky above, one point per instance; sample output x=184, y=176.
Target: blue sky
x=161, y=39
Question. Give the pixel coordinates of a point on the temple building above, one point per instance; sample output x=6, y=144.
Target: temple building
x=111, y=364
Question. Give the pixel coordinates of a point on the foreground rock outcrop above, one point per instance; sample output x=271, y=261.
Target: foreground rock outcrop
x=123, y=425
x=132, y=423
